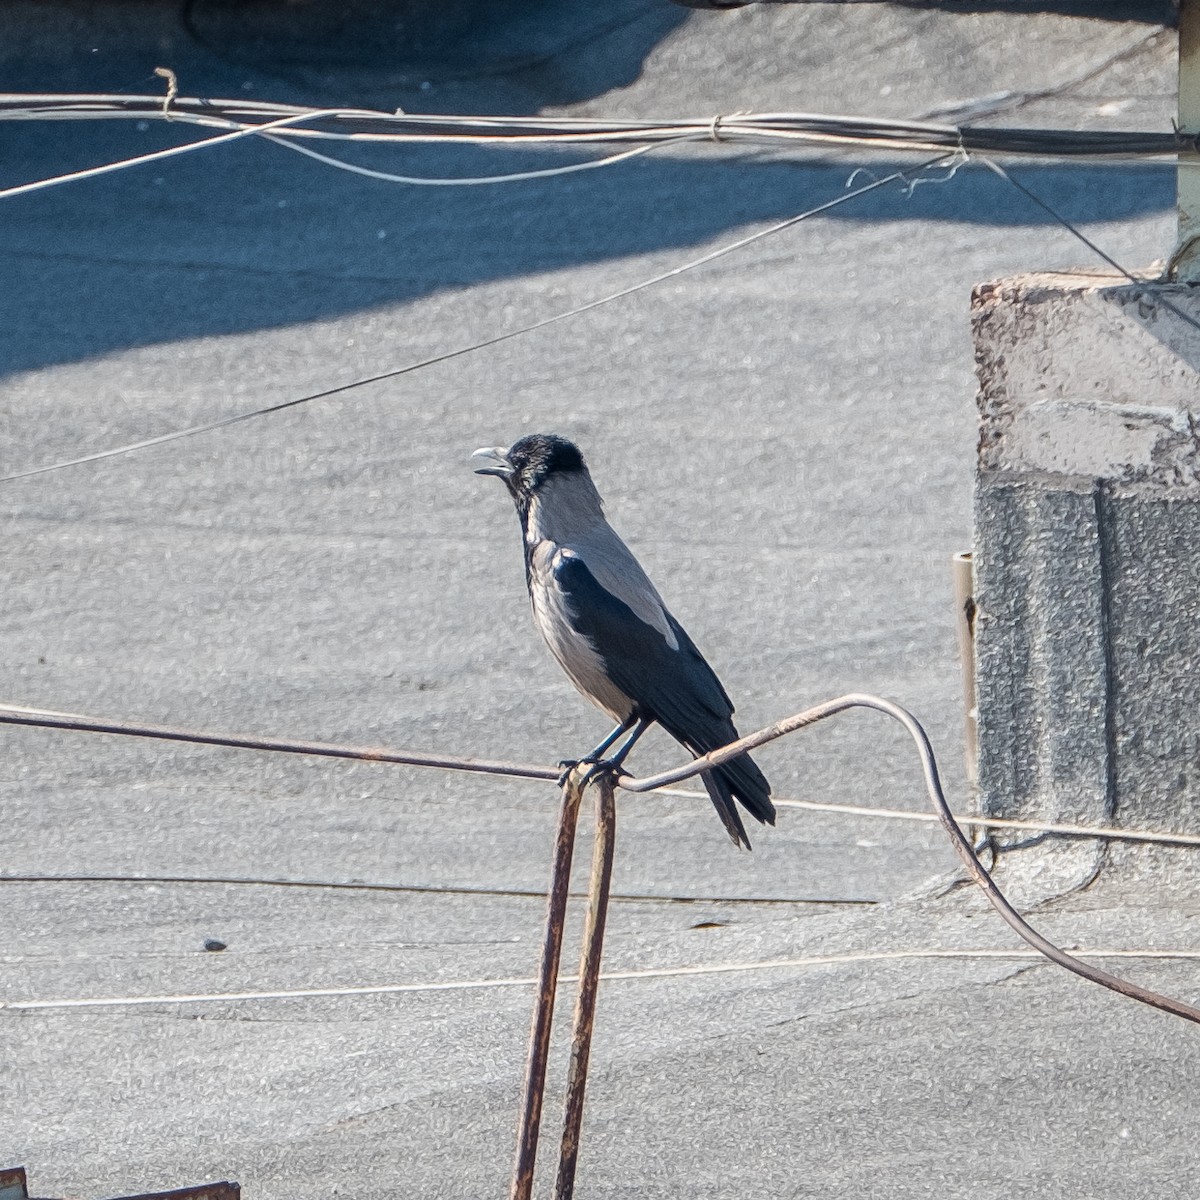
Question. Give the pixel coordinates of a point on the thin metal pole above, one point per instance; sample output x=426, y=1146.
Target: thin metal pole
x=589, y=983
x=1185, y=262
x=964, y=623
x=543, y=1012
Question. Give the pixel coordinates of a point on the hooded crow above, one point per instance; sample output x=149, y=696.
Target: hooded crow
x=608, y=627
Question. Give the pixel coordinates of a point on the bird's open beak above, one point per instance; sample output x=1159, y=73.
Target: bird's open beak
x=491, y=460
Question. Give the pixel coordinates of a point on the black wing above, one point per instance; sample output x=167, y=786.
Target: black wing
x=675, y=687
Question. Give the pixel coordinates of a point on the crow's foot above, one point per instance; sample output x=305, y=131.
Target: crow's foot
x=606, y=766
x=568, y=765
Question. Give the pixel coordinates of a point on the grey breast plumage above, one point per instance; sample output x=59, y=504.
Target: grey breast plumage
x=608, y=627
x=566, y=530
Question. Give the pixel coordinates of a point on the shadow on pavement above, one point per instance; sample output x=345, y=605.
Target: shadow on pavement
x=249, y=236
x=504, y=56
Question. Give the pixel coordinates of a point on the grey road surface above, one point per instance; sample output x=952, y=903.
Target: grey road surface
x=786, y=439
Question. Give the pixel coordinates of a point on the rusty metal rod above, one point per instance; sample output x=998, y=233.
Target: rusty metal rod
x=38, y=717
x=810, y=716
x=77, y=722
x=589, y=983
x=543, y=1011
x=44, y=719
x=959, y=840
x=11, y=714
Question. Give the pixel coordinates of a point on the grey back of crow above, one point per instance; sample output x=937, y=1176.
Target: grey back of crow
x=608, y=627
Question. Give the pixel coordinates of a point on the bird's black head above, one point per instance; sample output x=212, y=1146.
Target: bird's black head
x=526, y=465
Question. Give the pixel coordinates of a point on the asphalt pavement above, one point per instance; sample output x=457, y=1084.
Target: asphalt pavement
x=786, y=439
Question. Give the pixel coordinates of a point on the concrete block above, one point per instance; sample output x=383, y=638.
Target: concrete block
x=1087, y=551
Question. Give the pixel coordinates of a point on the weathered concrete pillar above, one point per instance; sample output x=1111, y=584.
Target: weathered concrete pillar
x=1087, y=551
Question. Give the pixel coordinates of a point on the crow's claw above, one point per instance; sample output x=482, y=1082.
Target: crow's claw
x=567, y=765
x=606, y=766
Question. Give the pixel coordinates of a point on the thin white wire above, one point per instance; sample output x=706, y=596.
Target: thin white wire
x=38, y=185
x=472, y=181
x=900, y=814
x=464, y=985
x=240, y=130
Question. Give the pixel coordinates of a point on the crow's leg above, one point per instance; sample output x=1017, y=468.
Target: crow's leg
x=613, y=764
x=569, y=764
x=617, y=759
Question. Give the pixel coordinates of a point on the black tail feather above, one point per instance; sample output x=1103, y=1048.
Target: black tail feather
x=738, y=779
x=722, y=798
x=742, y=780
x=750, y=786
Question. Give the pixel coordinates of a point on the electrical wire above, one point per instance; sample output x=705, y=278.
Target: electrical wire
x=401, y=128
x=139, y=160
x=1161, y=298
x=459, y=352
x=418, y=889
x=956, y=159
x=766, y=128
x=472, y=985
x=471, y=181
